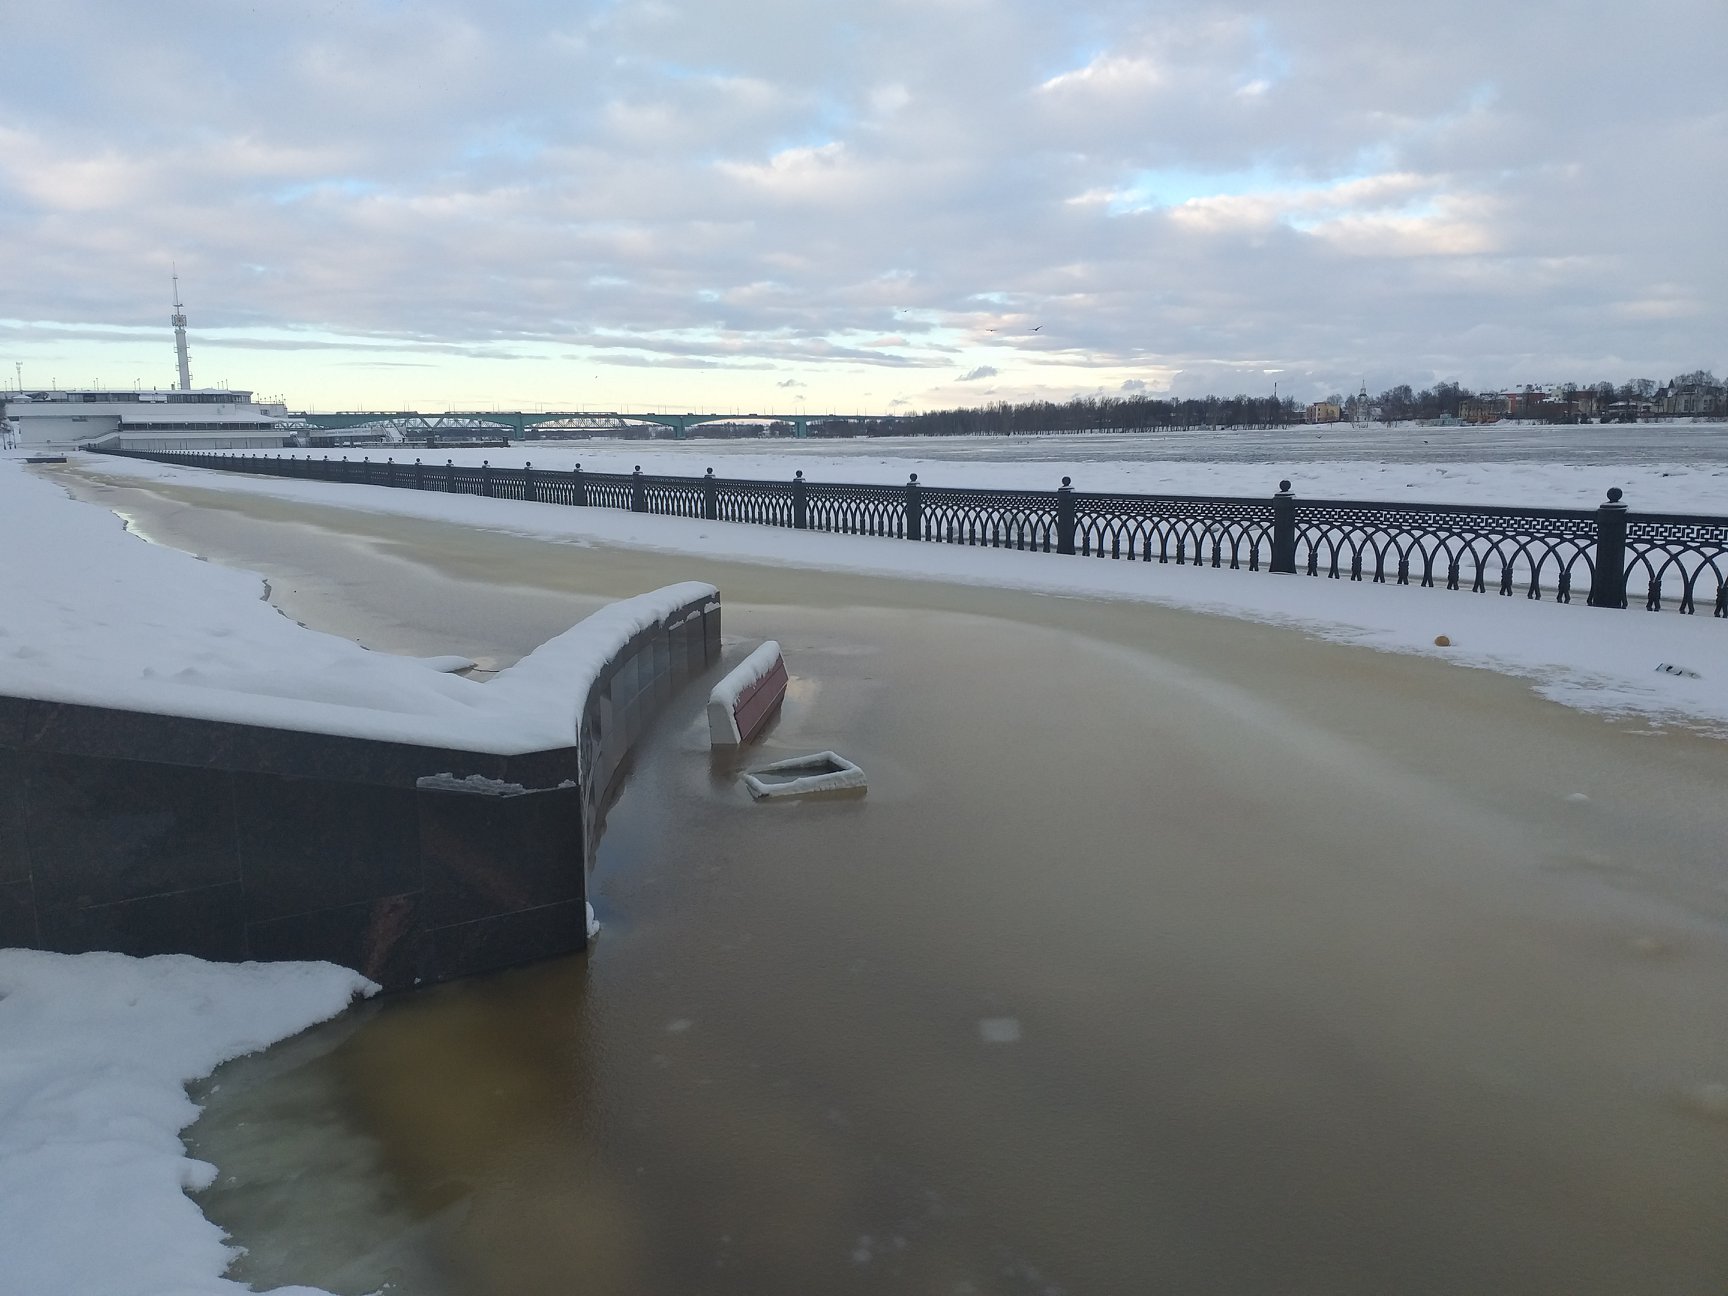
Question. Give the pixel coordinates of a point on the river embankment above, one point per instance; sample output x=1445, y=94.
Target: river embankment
x=1166, y=952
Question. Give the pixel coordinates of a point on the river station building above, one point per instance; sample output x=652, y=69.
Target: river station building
x=183, y=417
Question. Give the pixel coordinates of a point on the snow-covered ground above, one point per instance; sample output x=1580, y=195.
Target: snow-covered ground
x=96, y=1051
x=1596, y=659
x=94, y=616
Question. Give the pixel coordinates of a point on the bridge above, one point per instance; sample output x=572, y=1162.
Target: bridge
x=519, y=423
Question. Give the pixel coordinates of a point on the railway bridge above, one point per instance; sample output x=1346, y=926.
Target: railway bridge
x=520, y=424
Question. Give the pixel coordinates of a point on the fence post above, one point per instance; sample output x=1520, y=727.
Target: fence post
x=1284, y=530
x=389, y=470
x=528, y=492
x=800, y=504
x=638, y=496
x=710, y=497
x=486, y=477
x=1065, y=517
x=1608, y=588
x=419, y=474
x=914, y=509
x=578, y=487
x=449, y=476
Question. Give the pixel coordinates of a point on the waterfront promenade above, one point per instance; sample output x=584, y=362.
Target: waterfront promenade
x=1165, y=950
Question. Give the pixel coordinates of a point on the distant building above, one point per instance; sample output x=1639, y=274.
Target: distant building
x=1525, y=404
x=1691, y=400
x=1484, y=409
x=199, y=419
x=175, y=418
x=1325, y=412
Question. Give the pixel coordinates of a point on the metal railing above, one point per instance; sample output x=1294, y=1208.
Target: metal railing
x=1610, y=555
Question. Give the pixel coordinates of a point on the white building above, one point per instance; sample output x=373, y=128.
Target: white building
x=176, y=418
x=197, y=419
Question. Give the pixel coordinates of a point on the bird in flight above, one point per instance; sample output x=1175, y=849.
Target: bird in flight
x=1036, y=327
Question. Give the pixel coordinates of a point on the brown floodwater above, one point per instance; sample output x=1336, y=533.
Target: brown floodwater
x=1165, y=953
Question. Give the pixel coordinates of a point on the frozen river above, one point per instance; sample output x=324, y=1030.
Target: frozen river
x=1587, y=444
x=1675, y=467
x=1166, y=953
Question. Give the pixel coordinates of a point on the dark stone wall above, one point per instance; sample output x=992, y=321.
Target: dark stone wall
x=153, y=834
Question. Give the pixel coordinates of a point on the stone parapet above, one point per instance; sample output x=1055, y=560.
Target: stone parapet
x=156, y=834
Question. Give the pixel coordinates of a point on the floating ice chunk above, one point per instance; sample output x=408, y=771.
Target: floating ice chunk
x=1669, y=668
x=593, y=922
x=678, y=1025
x=449, y=665
x=1578, y=797
x=999, y=1030
x=472, y=783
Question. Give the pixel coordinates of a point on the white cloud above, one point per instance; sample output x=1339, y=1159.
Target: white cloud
x=1107, y=73
x=763, y=185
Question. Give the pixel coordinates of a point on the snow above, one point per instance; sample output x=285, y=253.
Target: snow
x=760, y=661
x=477, y=784
x=1602, y=660
x=97, y=1051
x=448, y=664
x=93, y=616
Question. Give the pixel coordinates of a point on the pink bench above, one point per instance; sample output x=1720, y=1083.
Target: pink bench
x=741, y=705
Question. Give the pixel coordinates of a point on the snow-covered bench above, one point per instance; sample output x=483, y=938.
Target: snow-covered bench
x=741, y=705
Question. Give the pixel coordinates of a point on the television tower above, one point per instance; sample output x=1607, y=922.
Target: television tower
x=179, y=318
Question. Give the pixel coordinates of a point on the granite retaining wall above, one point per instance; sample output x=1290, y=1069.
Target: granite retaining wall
x=156, y=834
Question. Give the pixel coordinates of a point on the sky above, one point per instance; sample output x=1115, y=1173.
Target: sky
x=791, y=206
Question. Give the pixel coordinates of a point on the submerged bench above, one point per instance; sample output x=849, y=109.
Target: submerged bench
x=744, y=701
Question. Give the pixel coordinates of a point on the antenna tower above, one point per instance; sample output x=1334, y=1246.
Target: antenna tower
x=179, y=319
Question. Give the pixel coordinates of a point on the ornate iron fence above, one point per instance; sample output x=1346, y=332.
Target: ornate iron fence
x=1677, y=561
x=1504, y=549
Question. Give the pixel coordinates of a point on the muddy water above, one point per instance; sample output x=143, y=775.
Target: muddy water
x=1165, y=953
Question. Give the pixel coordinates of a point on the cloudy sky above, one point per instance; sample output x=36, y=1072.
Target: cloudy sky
x=781, y=205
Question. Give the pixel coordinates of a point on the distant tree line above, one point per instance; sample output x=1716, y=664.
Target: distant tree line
x=1697, y=393
x=1082, y=414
